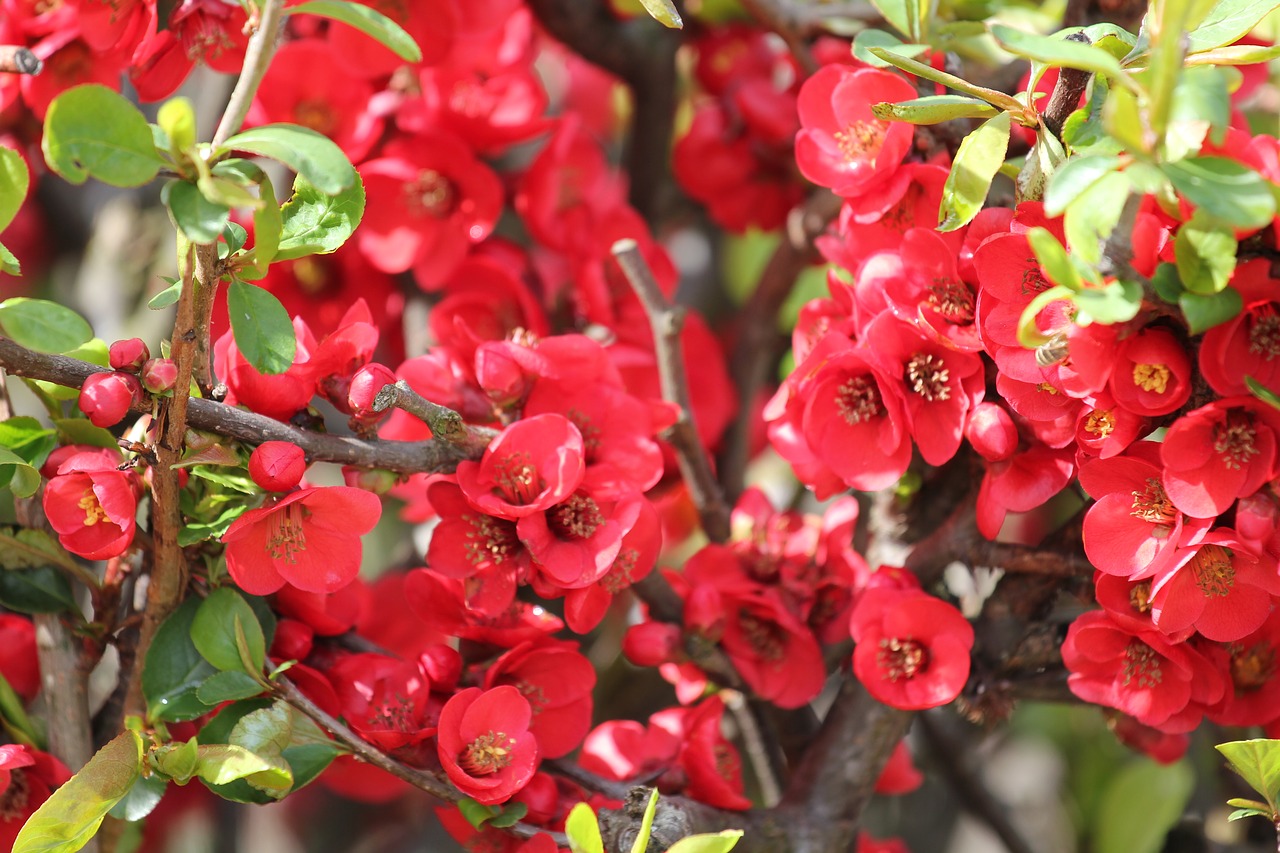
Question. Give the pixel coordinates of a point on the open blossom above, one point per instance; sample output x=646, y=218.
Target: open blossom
x=485, y=744
x=309, y=538
x=1219, y=452
x=27, y=778
x=91, y=504
x=534, y=464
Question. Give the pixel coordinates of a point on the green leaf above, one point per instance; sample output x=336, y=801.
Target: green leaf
x=235, y=236
x=68, y=819
x=1227, y=22
x=1235, y=54
x=175, y=669
x=91, y=131
x=1206, y=254
x=1157, y=792
x=1114, y=302
x=81, y=431
x=1093, y=216
x=641, y=844
x=1059, y=53
x=166, y=297
x=221, y=763
x=41, y=590
x=899, y=14
x=1203, y=312
x=1053, y=258
x=719, y=842
x=266, y=733
x=1239, y=814
x=30, y=549
x=928, y=72
x=9, y=264
x=1264, y=394
x=934, y=109
x=194, y=215
x=214, y=630
x=1224, y=189
x=1201, y=104
x=226, y=192
x=142, y=798
x=979, y=158
x=267, y=225
x=1242, y=803
x=28, y=438
x=13, y=716
x=1075, y=176
x=262, y=328
x=1258, y=762
x=25, y=478
x=369, y=21
x=227, y=687
x=177, y=119
x=310, y=154
x=14, y=182
x=664, y=12
x=583, y=830
x=476, y=813
x=177, y=760
x=42, y=325
x=314, y=222
x=509, y=815
x=867, y=39
x=1121, y=119
x=193, y=532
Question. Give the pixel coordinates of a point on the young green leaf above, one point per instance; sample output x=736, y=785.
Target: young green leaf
x=1227, y=21
x=1203, y=312
x=1053, y=258
x=9, y=264
x=1093, y=216
x=1235, y=54
x=1113, y=302
x=1074, y=177
x=928, y=72
x=1258, y=762
x=583, y=830
x=176, y=760
x=266, y=733
x=720, y=842
x=1060, y=53
x=314, y=222
x=13, y=717
x=1266, y=395
x=214, y=630
x=42, y=325
x=934, y=109
x=267, y=225
x=1206, y=254
x=194, y=215
x=177, y=118
x=93, y=132
x=979, y=158
x=228, y=686
x=310, y=154
x=371, y=22
x=14, y=182
x=1225, y=189
x=1157, y=792
x=68, y=819
x=641, y=844
x=869, y=38
x=220, y=763
x=476, y=813
x=175, y=669
x=664, y=12
x=262, y=328
x=901, y=15
x=509, y=815
x=166, y=297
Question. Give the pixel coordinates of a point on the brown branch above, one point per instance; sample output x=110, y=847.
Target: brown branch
x=405, y=457
x=446, y=425
x=257, y=57
x=433, y=783
x=759, y=345
x=16, y=59
x=666, y=320
x=1065, y=97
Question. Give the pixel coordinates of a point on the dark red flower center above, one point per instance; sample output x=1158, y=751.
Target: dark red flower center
x=1264, y=331
x=928, y=376
x=518, y=478
x=902, y=658
x=1033, y=281
x=858, y=400
x=952, y=299
x=431, y=194
x=767, y=638
x=1140, y=597
x=1233, y=440
x=1152, y=504
x=1253, y=667
x=1213, y=570
x=15, y=798
x=286, y=537
x=1141, y=665
x=619, y=576
x=487, y=754
x=577, y=518
x=490, y=540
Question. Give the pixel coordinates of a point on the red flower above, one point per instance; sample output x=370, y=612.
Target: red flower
x=1253, y=694
x=485, y=744
x=841, y=144
x=310, y=539
x=533, y=465
x=277, y=396
x=27, y=778
x=1152, y=375
x=912, y=649
x=712, y=767
x=91, y=505
x=386, y=700
x=19, y=663
x=1218, y=453
x=1216, y=587
x=557, y=681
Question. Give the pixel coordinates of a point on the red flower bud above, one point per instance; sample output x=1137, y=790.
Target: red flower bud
x=277, y=466
x=377, y=480
x=292, y=641
x=159, y=375
x=652, y=643
x=365, y=385
x=991, y=432
x=129, y=355
x=106, y=397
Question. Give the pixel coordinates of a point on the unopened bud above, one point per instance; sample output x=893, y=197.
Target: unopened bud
x=377, y=480
x=129, y=355
x=365, y=385
x=652, y=643
x=159, y=375
x=277, y=466
x=105, y=398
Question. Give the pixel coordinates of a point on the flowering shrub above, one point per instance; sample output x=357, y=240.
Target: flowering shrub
x=437, y=464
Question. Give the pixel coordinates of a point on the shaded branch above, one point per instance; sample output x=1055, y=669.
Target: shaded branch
x=16, y=59
x=446, y=425
x=1065, y=97
x=404, y=457
x=666, y=320
x=784, y=17
x=432, y=783
x=257, y=57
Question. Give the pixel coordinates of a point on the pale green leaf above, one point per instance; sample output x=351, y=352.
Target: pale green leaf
x=720, y=842
x=313, y=222
x=310, y=154
x=664, y=12
x=1227, y=21
x=583, y=830
x=934, y=109
x=14, y=182
x=1156, y=792
x=369, y=21
x=91, y=131
x=979, y=158
x=42, y=325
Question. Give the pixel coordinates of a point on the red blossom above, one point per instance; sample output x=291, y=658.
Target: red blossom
x=534, y=464
x=27, y=778
x=277, y=466
x=309, y=538
x=557, y=681
x=485, y=745
x=91, y=504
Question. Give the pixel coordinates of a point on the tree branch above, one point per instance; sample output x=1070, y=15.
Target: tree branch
x=257, y=57
x=446, y=425
x=404, y=457
x=666, y=320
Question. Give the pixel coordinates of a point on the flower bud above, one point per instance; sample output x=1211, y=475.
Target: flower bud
x=365, y=385
x=442, y=664
x=377, y=480
x=159, y=375
x=292, y=641
x=105, y=398
x=277, y=466
x=652, y=643
x=992, y=432
x=129, y=355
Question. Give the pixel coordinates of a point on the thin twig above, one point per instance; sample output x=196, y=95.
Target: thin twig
x=16, y=59
x=257, y=57
x=432, y=783
x=405, y=457
x=758, y=752
x=446, y=425
x=666, y=320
